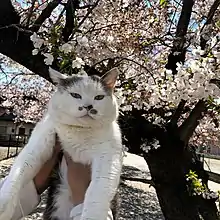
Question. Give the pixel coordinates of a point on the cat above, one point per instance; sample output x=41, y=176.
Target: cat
x=83, y=113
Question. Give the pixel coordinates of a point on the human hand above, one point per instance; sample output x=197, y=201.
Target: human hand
x=79, y=177
x=41, y=180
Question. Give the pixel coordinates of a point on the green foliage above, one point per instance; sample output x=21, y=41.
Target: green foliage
x=218, y=23
x=213, y=104
x=197, y=188
x=195, y=185
x=163, y=3
x=63, y=60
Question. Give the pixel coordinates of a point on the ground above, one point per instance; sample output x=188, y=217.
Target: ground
x=5, y=151
x=214, y=166
x=138, y=201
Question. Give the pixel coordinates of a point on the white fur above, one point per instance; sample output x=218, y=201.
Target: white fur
x=94, y=140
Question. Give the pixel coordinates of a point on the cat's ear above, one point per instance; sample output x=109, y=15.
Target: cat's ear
x=109, y=79
x=56, y=76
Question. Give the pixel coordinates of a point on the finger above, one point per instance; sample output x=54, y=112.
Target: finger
x=57, y=146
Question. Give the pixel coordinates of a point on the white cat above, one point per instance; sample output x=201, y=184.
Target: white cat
x=83, y=112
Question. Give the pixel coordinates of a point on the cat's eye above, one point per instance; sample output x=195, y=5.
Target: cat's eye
x=76, y=95
x=99, y=97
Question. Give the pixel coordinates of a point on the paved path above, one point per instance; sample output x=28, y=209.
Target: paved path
x=139, y=162
x=214, y=166
x=138, y=201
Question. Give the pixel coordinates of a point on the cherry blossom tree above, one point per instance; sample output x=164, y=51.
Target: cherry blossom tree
x=168, y=90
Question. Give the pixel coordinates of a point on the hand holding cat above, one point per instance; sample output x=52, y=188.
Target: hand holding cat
x=79, y=175
x=41, y=180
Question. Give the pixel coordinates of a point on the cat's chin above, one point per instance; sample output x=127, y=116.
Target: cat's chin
x=85, y=121
x=79, y=122
x=86, y=117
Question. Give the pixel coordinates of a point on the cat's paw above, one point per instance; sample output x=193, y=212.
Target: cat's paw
x=7, y=207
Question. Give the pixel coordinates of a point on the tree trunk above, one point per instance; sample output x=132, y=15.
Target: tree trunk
x=168, y=174
x=168, y=166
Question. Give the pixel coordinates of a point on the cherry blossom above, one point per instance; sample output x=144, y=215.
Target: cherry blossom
x=37, y=41
x=49, y=58
x=66, y=48
x=77, y=63
x=136, y=37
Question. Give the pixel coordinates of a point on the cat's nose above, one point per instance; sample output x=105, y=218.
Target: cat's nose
x=88, y=107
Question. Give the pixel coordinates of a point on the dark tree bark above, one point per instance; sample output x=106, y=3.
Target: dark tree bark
x=15, y=42
x=178, y=51
x=168, y=166
x=189, y=125
x=204, y=32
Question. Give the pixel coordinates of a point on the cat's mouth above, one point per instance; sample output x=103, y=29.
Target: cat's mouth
x=87, y=116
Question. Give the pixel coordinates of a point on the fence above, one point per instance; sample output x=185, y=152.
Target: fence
x=11, y=144
x=211, y=164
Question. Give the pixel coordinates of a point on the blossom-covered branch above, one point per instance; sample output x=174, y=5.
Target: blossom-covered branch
x=189, y=125
x=44, y=15
x=205, y=29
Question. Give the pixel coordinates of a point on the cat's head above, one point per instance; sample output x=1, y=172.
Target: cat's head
x=86, y=101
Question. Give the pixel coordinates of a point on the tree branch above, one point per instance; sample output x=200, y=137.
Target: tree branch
x=189, y=125
x=142, y=66
x=184, y=20
x=8, y=14
x=212, y=11
x=44, y=15
x=30, y=13
x=204, y=32
x=88, y=13
x=216, y=82
x=71, y=7
x=179, y=51
x=16, y=44
x=177, y=114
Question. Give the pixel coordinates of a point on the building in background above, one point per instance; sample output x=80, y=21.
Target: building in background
x=209, y=150
x=11, y=131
